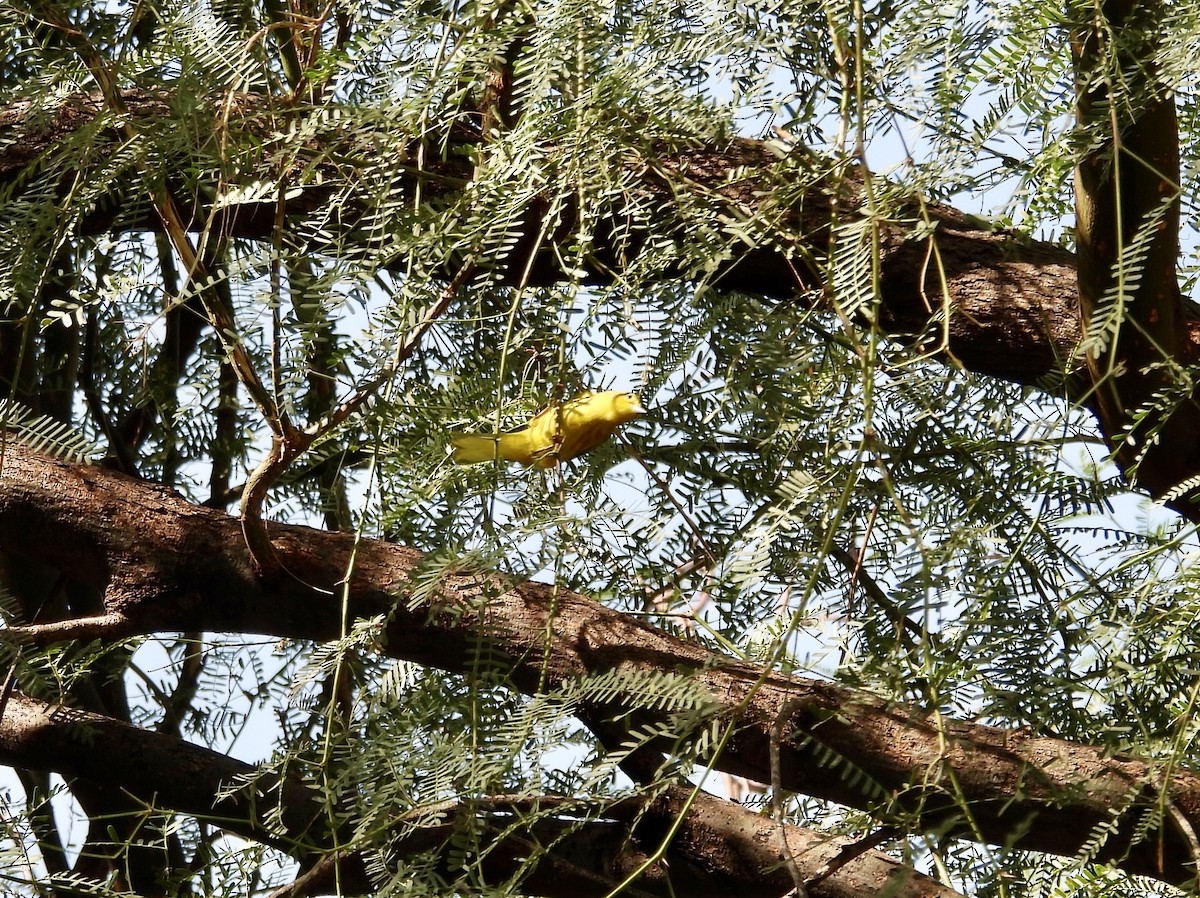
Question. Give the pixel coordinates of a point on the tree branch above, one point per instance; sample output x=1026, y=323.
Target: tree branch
x=997, y=303
x=1013, y=311
x=103, y=751
x=711, y=847
x=1127, y=229
x=189, y=570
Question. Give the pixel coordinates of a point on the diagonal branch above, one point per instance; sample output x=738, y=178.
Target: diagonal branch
x=150, y=766
x=189, y=571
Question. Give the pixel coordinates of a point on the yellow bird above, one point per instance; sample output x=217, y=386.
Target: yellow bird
x=555, y=434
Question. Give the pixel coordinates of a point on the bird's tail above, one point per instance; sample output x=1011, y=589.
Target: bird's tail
x=474, y=448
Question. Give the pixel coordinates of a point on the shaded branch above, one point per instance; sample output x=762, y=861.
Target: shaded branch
x=1127, y=200
x=1013, y=311
x=148, y=765
x=996, y=302
x=709, y=847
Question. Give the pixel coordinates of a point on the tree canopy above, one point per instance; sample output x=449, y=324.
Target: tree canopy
x=890, y=591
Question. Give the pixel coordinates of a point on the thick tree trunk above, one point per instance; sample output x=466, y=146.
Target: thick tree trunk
x=1127, y=200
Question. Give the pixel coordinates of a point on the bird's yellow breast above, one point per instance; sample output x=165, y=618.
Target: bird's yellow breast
x=557, y=433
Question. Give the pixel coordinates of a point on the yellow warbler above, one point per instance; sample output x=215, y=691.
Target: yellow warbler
x=560, y=432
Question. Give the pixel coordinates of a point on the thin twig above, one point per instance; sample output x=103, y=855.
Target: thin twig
x=850, y=852
x=101, y=626
x=776, y=802
x=403, y=351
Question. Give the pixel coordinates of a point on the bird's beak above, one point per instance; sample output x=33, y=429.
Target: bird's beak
x=637, y=408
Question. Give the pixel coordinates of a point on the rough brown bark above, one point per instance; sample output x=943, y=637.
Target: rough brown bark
x=713, y=849
x=167, y=565
x=153, y=767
